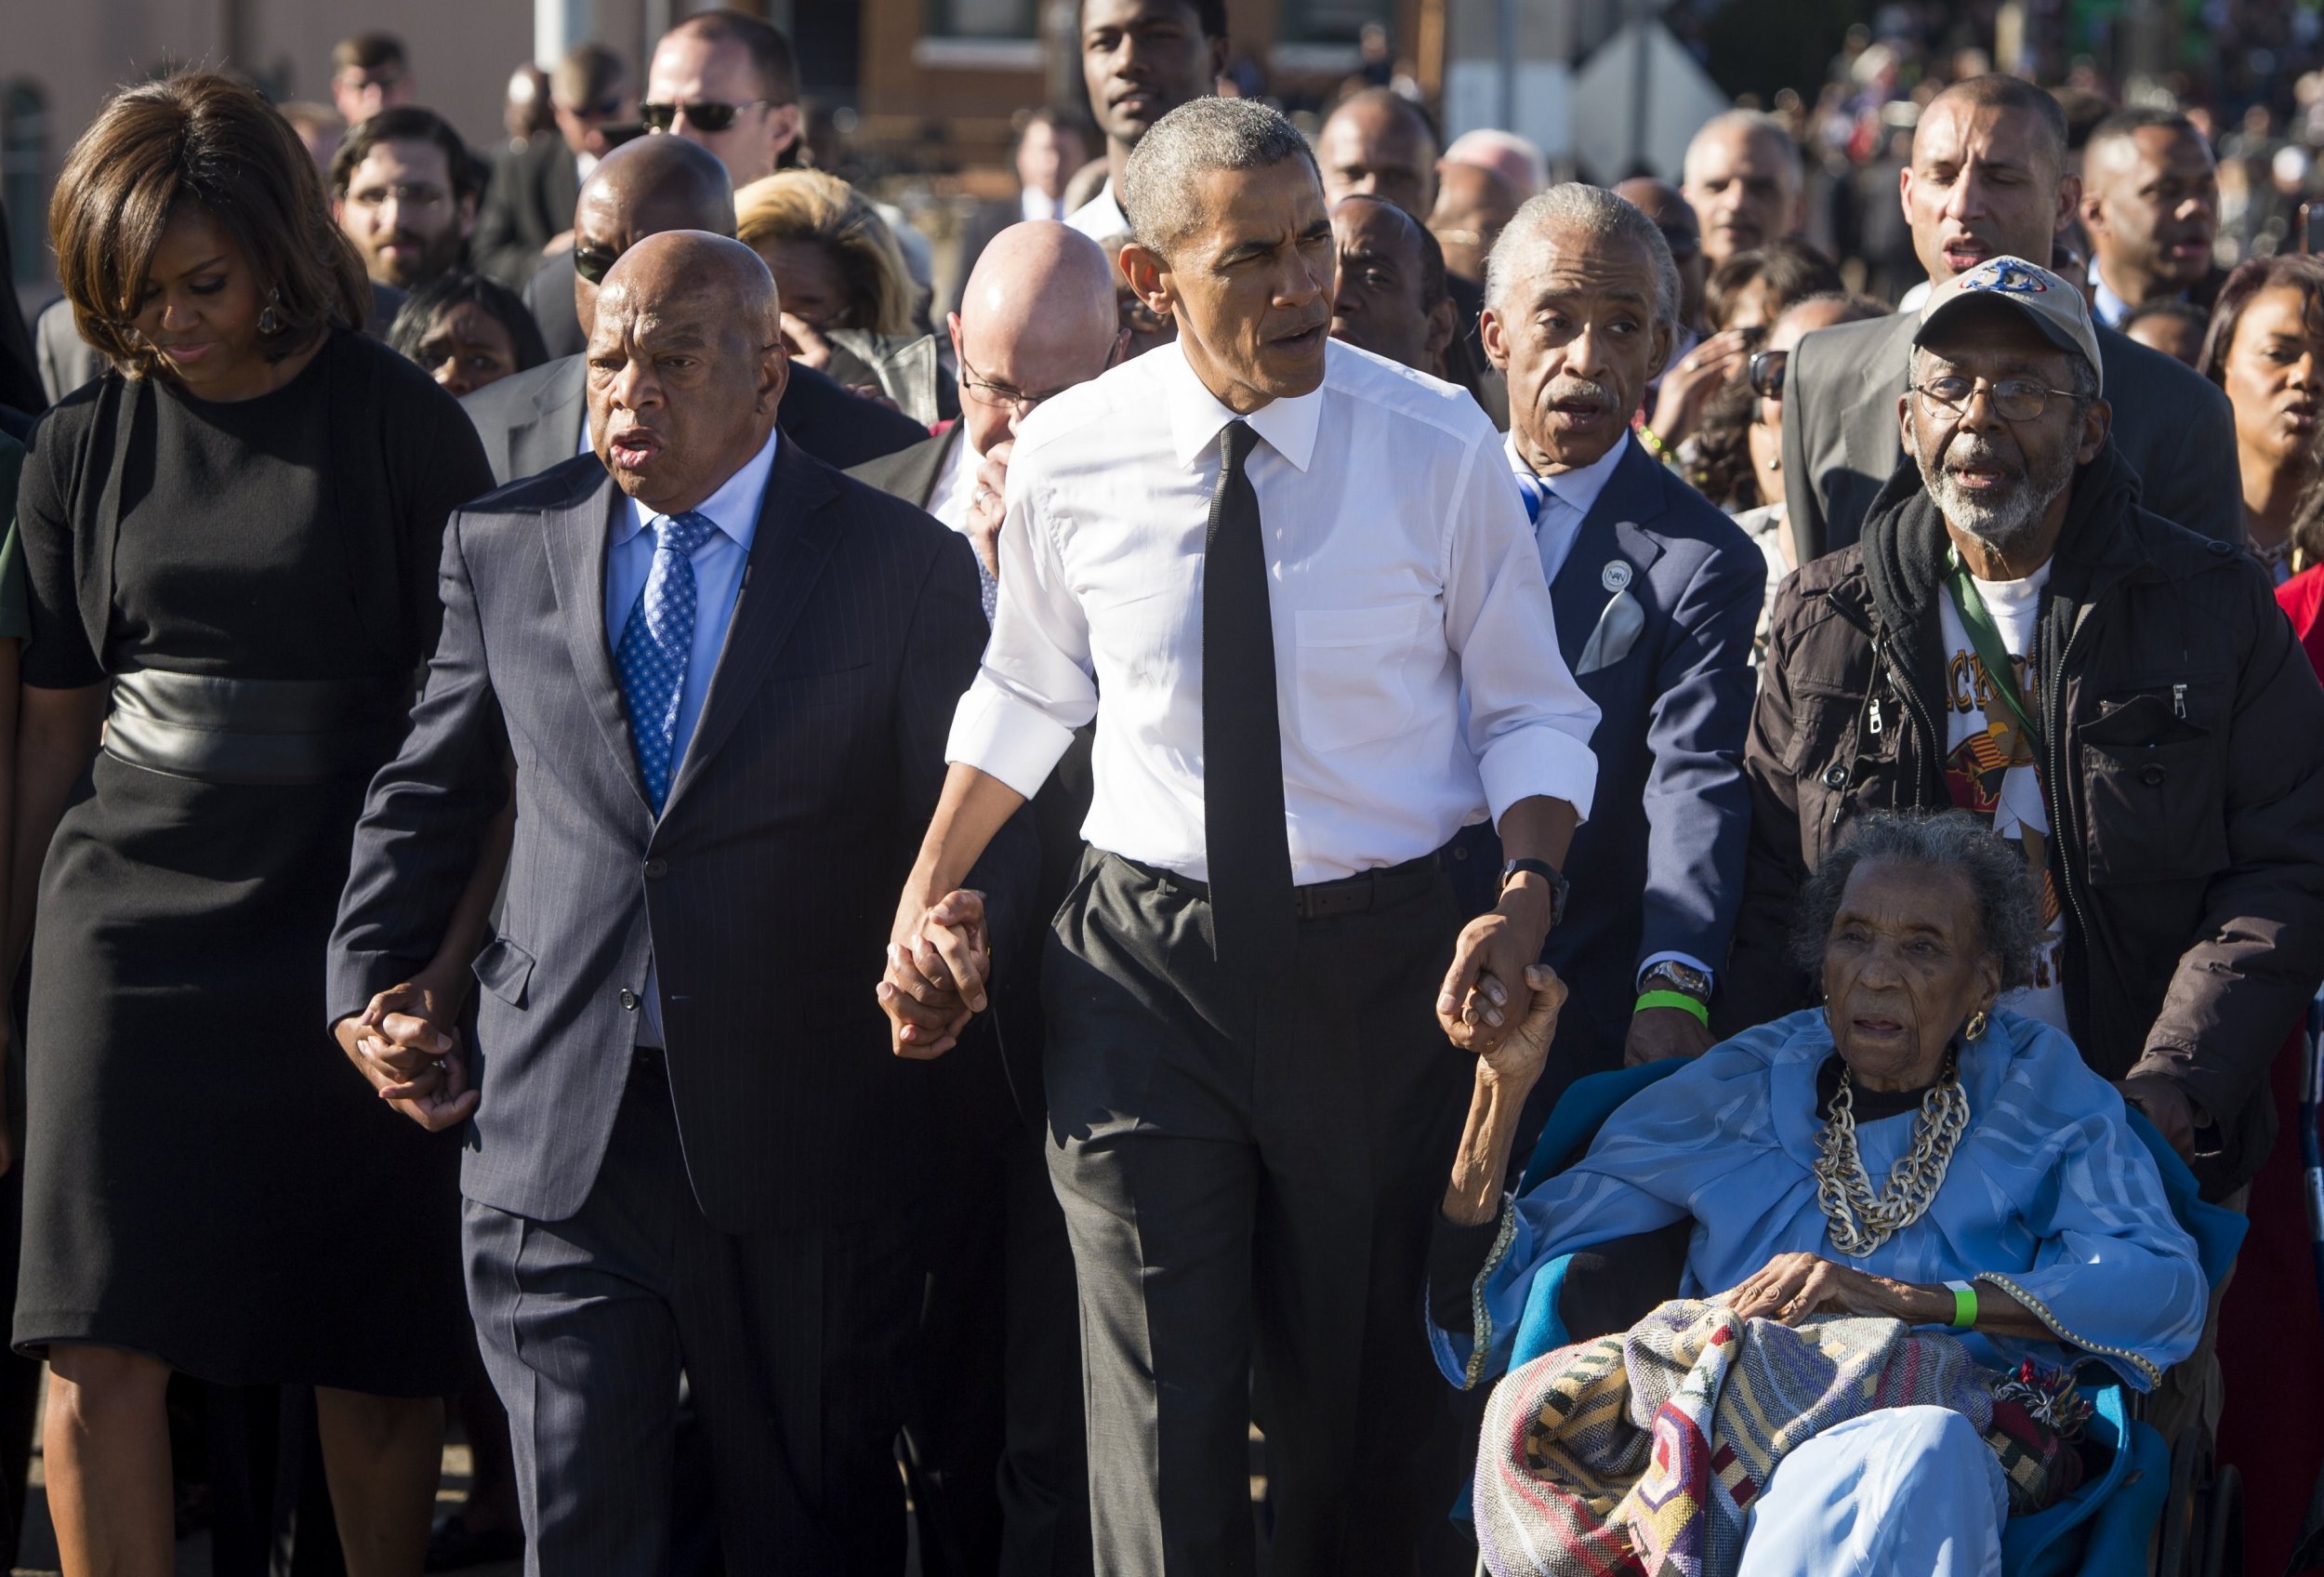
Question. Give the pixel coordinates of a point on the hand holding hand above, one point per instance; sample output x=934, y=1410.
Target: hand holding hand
x=1489, y=962
x=939, y=961
x=1663, y=1035
x=1515, y=1064
x=416, y=1066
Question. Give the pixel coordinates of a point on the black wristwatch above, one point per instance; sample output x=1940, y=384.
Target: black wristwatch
x=1559, y=886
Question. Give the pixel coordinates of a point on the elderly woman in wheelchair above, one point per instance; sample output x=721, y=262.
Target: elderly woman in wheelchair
x=1907, y=1218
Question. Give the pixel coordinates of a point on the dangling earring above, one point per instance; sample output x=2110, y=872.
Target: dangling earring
x=271, y=322
x=1975, y=1029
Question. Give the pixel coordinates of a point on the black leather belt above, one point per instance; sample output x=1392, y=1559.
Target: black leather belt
x=1321, y=900
x=223, y=730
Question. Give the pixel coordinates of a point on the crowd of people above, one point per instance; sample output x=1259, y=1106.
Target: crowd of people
x=844, y=903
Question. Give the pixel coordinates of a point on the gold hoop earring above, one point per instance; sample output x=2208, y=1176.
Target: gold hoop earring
x=1976, y=1026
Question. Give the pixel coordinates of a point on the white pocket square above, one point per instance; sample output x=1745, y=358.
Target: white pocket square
x=1617, y=632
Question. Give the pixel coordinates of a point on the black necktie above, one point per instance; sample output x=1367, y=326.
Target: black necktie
x=1253, y=926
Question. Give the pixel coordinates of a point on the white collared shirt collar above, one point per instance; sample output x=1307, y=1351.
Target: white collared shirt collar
x=1197, y=415
x=1577, y=490
x=733, y=508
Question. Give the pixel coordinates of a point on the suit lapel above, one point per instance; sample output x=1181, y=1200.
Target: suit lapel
x=577, y=538
x=796, y=531
x=1609, y=532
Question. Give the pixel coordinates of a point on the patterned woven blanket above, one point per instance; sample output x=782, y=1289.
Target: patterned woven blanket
x=1641, y=1454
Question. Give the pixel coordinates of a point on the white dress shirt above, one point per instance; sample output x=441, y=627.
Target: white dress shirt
x=1404, y=584
x=719, y=561
x=1101, y=216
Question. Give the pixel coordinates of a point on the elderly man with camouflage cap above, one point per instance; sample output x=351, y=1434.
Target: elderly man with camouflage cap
x=2015, y=636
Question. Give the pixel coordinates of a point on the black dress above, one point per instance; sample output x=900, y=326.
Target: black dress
x=208, y=1180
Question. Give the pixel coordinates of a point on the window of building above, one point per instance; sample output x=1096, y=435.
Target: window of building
x=23, y=178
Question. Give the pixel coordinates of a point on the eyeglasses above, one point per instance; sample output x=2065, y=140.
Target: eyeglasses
x=2016, y=398
x=1000, y=396
x=1767, y=373
x=593, y=263
x=605, y=110
x=418, y=195
x=708, y=115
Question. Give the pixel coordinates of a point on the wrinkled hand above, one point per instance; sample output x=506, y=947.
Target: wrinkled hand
x=1664, y=1035
x=2164, y=1101
x=416, y=1065
x=939, y=961
x=986, y=508
x=1515, y=1064
x=1689, y=384
x=1489, y=965
x=1795, y=1286
x=807, y=346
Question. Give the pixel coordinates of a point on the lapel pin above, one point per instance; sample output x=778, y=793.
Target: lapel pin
x=1615, y=576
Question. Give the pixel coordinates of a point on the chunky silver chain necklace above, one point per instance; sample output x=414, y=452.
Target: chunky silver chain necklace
x=1861, y=1223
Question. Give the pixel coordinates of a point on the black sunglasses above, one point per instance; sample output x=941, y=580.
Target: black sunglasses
x=593, y=263
x=1767, y=373
x=708, y=115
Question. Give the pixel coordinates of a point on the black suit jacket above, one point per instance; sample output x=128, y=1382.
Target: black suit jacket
x=910, y=474
x=533, y=421
x=531, y=197
x=1840, y=446
x=764, y=891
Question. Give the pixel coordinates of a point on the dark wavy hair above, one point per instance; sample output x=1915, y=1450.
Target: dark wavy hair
x=431, y=298
x=2009, y=923
x=2297, y=269
x=1792, y=269
x=202, y=139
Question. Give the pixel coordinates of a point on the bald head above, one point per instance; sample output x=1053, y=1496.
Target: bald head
x=1743, y=176
x=1379, y=144
x=644, y=186
x=1036, y=317
x=1473, y=203
x=1507, y=155
x=685, y=366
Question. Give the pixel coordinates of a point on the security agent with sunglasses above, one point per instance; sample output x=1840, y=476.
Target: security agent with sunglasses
x=2017, y=636
x=1005, y=1488
x=537, y=419
x=729, y=82
x=528, y=207
x=1656, y=594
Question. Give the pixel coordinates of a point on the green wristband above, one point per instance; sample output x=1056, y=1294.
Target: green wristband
x=1964, y=1305
x=1678, y=1000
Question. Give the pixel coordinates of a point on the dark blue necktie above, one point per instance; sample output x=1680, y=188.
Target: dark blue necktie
x=655, y=643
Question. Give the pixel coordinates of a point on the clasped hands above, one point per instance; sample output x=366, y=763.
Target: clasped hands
x=405, y=1043
x=940, y=960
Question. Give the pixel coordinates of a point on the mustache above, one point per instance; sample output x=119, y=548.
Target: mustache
x=1578, y=389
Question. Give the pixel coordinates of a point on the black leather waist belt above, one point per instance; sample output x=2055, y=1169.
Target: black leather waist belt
x=1321, y=900
x=225, y=730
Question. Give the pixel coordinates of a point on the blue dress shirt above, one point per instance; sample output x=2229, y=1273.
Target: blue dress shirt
x=718, y=566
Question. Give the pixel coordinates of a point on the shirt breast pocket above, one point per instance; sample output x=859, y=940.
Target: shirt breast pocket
x=1353, y=668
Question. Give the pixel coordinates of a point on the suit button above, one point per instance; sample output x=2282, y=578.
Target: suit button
x=1835, y=777
x=628, y=1000
x=656, y=868
x=2152, y=777
x=1461, y=852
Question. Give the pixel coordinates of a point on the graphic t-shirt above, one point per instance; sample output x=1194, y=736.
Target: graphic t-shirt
x=1992, y=767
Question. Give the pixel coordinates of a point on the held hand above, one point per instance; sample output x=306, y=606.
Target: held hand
x=1664, y=1035
x=2164, y=1101
x=1515, y=1064
x=415, y=1067
x=939, y=961
x=1795, y=1286
x=1489, y=965
x=807, y=347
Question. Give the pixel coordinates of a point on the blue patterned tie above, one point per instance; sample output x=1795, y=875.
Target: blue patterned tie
x=655, y=643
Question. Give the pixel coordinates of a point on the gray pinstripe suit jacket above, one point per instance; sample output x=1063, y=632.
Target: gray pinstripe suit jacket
x=765, y=889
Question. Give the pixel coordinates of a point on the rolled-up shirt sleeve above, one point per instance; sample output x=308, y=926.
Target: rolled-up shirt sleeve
x=1034, y=687
x=1528, y=721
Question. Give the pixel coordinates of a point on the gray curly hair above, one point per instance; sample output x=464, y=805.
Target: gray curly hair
x=2009, y=924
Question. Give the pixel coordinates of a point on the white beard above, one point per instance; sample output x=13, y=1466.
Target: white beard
x=2003, y=522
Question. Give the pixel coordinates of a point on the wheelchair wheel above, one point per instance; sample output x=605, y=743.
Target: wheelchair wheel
x=2184, y=1533
x=2223, y=1552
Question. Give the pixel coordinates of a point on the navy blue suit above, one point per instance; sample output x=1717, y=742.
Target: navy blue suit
x=1658, y=866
